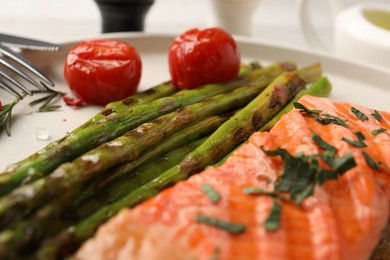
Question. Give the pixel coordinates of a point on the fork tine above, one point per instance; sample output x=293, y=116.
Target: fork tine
x=6, y=87
x=15, y=82
x=23, y=61
x=20, y=73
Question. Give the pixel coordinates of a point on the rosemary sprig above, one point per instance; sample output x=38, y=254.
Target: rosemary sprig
x=5, y=116
x=47, y=100
x=47, y=105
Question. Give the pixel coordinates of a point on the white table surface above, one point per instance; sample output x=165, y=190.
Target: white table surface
x=59, y=21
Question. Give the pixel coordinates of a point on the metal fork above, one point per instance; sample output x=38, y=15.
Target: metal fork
x=11, y=61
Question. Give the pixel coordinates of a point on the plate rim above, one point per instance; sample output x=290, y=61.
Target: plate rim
x=243, y=39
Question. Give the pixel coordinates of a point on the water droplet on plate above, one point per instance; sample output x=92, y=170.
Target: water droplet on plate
x=42, y=134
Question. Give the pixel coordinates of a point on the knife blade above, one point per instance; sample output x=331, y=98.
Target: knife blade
x=26, y=43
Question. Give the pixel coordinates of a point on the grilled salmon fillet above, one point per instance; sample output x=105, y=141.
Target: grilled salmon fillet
x=342, y=219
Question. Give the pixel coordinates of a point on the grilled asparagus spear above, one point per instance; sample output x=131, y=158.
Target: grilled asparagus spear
x=137, y=178
x=28, y=234
x=127, y=147
x=220, y=143
x=117, y=124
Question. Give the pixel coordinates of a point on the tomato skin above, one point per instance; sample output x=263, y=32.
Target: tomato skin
x=103, y=71
x=199, y=57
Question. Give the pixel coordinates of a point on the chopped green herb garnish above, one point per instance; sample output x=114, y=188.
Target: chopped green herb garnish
x=301, y=171
x=327, y=119
x=211, y=192
x=321, y=143
x=308, y=191
x=324, y=175
x=272, y=222
x=259, y=191
x=359, y=114
x=5, y=116
x=378, y=131
x=301, y=174
x=324, y=119
x=256, y=190
x=371, y=162
x=343, y=164
x=234, y=228
x=377, y=115
x=46, y=106
x=306, y=110
x=356, y=143
x=360, y=136
x=339, y=164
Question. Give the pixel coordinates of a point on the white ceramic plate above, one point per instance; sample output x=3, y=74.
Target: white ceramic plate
x=352, y=82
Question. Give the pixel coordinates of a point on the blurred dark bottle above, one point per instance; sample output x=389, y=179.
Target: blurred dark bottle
x=123, y=15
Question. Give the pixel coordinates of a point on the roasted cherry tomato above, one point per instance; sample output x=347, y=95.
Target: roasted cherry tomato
x=102, y=71
x=199, y=57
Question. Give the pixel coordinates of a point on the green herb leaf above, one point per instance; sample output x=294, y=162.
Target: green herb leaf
x=259, y=191
x=302, y=195
x=5, y=116
x=327, y=119
x=356, y=143
x=343, y=164
x=211, y=192
x=329, y=157
x=339, y=164
x=47, y=100
x=377, y=115
x=360, y=136
x=373, y=164
x=326, y=174
x=306, y=110
x=321, y=143
x=234, y=228
x=378, y=131
x=256, y=190
x=324, y=119
x=359, y=114
x=272, y=222
x=301, y=174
